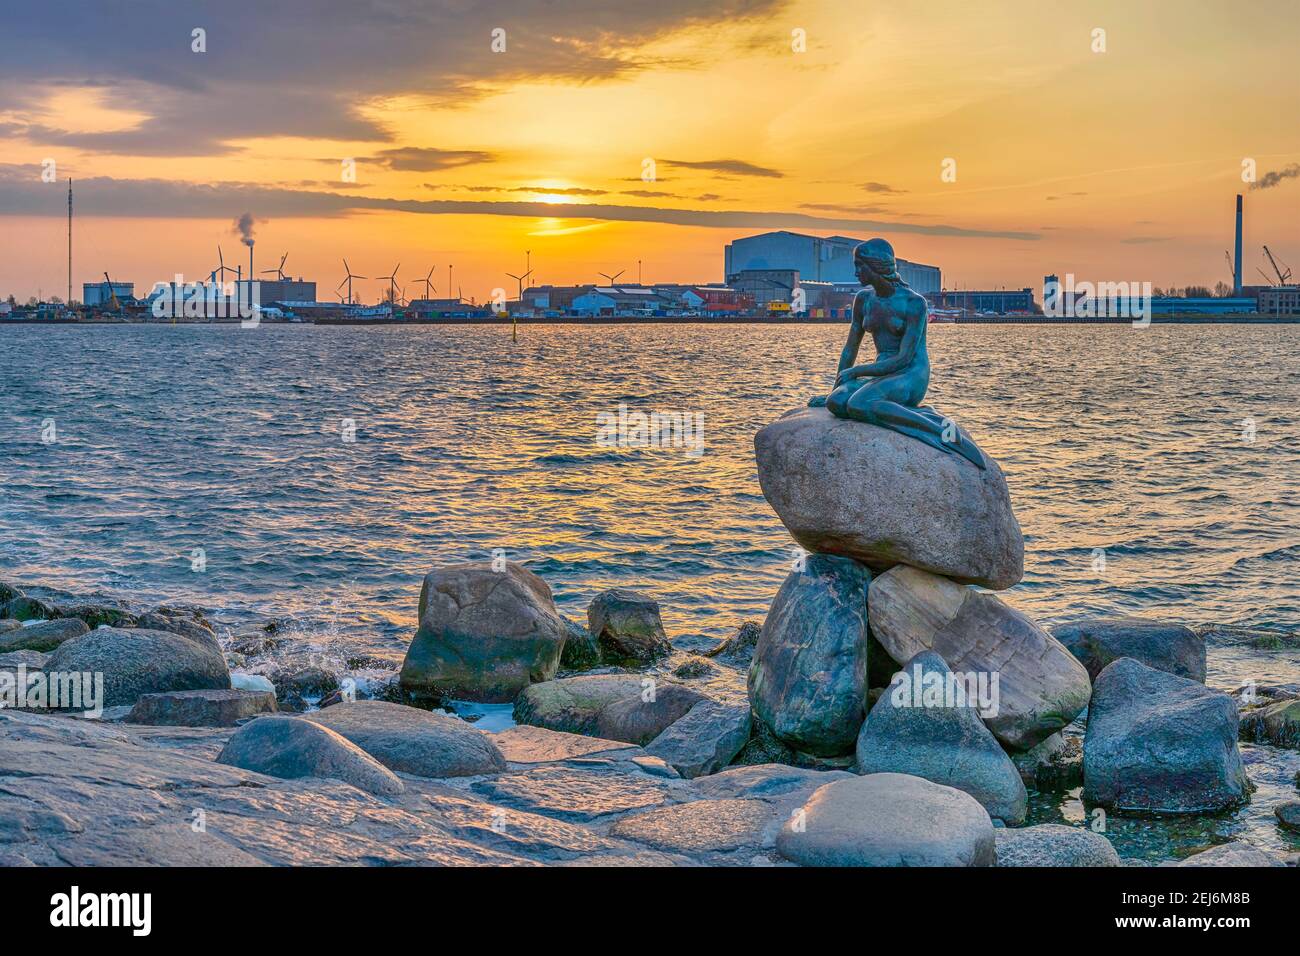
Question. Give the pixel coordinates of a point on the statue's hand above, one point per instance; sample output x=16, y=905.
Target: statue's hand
x=817, y=401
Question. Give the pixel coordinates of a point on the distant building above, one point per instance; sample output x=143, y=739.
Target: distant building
x=1279, y=300
x=1000, y=301
x=817, y=259
x=766, y=286
x=553, y=298
x=617, y=300
x=101, y=293
x=278, y=290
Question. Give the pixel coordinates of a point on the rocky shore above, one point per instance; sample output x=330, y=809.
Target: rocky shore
x=896, y=713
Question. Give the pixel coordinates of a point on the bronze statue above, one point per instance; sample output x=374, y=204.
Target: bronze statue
x=888, y=391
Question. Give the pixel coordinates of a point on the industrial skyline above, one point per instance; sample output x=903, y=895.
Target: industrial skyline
x=1034, y=145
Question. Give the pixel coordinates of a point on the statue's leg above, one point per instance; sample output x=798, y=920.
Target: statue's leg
x=875, y=404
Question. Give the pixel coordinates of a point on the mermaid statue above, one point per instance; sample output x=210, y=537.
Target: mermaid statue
x=888, y=391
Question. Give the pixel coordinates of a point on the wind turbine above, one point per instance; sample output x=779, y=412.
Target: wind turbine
x=392, y=283
x=221, y=269
x=278, y=270
x=611, y=278
x=427, y=282
x=348, y=280
x=520, y=280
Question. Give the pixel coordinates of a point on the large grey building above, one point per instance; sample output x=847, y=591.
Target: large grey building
x=816, y=259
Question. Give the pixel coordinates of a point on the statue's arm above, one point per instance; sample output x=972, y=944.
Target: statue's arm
x=851, y=346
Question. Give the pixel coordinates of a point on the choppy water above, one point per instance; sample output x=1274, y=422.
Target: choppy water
x=1174, y=449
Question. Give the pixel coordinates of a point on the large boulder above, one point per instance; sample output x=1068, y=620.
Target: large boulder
x=484, y=634
x=705, y=740
x=43, y=636
x=23, y=608
x=627, y=628
x=290, y=748
x=888, y=819
x=1237, y=853
x=136, y=661
x=807, y=682
x=1053, y=844
x=1041, y=687
x=201, y=708
x=411, y=740
x=928, y=725
x=846, y=487
x=626, y=707
x=1097, y=642
x=581, y=651
x=1158, y=743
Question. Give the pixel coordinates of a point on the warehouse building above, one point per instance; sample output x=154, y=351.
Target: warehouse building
x=815, y=259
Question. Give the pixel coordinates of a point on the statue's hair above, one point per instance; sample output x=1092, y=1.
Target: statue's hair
x=878, y=256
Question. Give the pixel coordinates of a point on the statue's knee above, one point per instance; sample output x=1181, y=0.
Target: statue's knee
x=837, y=404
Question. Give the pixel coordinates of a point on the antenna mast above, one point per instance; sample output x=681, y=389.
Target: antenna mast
x=68, y=300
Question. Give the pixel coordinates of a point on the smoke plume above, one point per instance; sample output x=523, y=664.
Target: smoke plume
x=1271, y=179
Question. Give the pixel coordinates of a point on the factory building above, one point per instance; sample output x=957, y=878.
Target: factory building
x=999, y=301
x=617, y=300
x=278, y=290
x=101, y=293
x=816, y=259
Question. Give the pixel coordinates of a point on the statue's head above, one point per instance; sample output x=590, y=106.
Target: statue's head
x=875, y=265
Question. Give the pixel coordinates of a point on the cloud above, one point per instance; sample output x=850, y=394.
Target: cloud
x=881, y=188
x=309, y=69
x=1271, y=179
x=427, y=159
x=1144, y=240
x=23, y=193
x=837, y=207
x=727, y=167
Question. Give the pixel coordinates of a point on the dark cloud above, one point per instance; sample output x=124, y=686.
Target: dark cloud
x=427, y=159
x=646, y=193
x=728, y=167
x=837, y=207
x=23, y=193
x=881, y=188
x=309, y=68
x=1271, y=179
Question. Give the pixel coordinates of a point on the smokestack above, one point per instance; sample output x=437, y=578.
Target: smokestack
x=1236, y=255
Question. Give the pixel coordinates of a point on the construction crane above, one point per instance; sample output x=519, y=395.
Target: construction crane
x=1232, y=269
x=112, y=294
x=1282, y=277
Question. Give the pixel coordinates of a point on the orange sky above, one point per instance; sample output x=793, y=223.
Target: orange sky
x=1115, y=165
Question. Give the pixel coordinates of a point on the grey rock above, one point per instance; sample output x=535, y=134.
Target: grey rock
x=1160, y=743
x=1054, y=765
x=627, y=627
x=135, y=661
x=706, y=826
x=1098, y=642
x=201, y=708
x=1052, y=844
x=484, y=635
x=889, y=819
x=1288, y=816
x=413, y=741
x=24, y=608
x=32, y=660
x=807, y=682
x=908, y=733
x=8, y=592
x=704, y=740
x=639, y=721
x=695, y=666
x=290, y=747
x=738, y=650
x=1277, y=724
x=849, y=488
x=8, y=624
x=44, y=637
x=576, y=794
x=1041, y=686
x=94, y=615
x=185, y=621
x=767, y=782
x=581, y=649
x=1231, y=854
x=529, y=745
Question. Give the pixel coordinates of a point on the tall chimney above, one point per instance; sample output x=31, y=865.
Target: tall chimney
x=1236, y=256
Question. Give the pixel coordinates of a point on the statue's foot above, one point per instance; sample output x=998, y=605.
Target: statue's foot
x=817, y=401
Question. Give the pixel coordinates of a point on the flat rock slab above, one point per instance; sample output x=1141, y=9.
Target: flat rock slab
x=32, y=660
x=705, y=826
x=524, y=744
x=1041, y=686
x=1098, y=642
x=889, y=819
x=201, y=708
x=1052, y=844
x=575, y=794
x=631, y=708
x=865, y=492
x=411, y=740
x=289, y=747
x=767, y=781
x=515, y=831
x=1231, y=854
